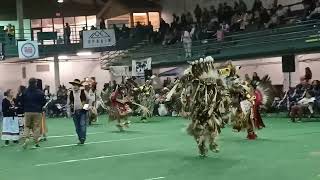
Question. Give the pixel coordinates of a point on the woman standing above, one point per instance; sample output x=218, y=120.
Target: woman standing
x=10, y=131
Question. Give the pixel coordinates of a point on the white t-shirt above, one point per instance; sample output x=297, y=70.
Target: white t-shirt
x=306, y=101
x=186, y=37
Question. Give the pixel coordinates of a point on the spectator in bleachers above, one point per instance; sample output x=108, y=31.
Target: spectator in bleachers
x=264, y=18
x=220, y=34
x=175, y=21
x=257, y=6
x=236, y=7
x=225, y=26
x=213, y=24
x=125, y=31
x=315, y=14
x=242, y=6
x=163, y=28
x=116, y=31
x=309, y=6
x=246, y=19
x=236, y=22
x=308, y=74
x=205, y=16
x=81, y=34
x=228, y=12
x=102, y=24
x=93, y=28
x=67, y=34
x=10, y=29
x=198, y=13
x=281, y=13
x=221, y=16
x=274, y=21
x=183, y=20
x=187, y=41
x=213, y=11
x=168, y=37
x=189, y=18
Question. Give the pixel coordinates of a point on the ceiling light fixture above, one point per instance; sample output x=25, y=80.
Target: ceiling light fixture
x=84, y=53
x=62, y=57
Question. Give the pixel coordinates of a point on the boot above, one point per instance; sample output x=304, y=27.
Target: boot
x=251, y=136
x=214, y=147
x=203, y=150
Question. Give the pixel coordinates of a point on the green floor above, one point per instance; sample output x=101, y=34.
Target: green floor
x=162, y=150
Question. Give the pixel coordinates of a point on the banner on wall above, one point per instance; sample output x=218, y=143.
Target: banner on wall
x=139, y=66
x=28, y=50
x=99, y=38
x=120, y=71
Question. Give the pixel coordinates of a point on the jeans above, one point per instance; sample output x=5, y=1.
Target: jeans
x=80, y=123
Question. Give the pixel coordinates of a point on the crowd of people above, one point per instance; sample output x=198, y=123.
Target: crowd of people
x=22, y=115
x=214, y=23
x=304, y=99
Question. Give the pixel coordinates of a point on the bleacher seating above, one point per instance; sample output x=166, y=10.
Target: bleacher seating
x=270, y=42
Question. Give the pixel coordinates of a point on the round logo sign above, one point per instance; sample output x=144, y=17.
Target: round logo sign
x=28, y=50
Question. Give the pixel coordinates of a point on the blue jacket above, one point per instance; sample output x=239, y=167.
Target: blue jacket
x=33, y=100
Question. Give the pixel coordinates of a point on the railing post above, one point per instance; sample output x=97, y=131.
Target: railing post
x=19, y=8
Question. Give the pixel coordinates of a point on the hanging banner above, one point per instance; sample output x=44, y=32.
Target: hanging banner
x=139, y=66
x=28, y=50
x=120, y=71
x=99, y=38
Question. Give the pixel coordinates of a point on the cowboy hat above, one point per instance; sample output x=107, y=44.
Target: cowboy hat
x=76, y=82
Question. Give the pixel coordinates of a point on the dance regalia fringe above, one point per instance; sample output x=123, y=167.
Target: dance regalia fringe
x=117, y=109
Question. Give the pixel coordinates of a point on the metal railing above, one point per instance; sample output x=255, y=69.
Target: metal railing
x=280, y=36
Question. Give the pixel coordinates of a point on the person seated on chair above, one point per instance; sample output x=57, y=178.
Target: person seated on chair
x=298, y=109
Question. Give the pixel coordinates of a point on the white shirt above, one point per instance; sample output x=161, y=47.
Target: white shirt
x=306, y=101
x=186, y=37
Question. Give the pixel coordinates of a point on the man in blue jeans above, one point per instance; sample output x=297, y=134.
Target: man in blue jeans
x=78, y=103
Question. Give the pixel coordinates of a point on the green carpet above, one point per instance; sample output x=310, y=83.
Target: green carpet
x=161, y=149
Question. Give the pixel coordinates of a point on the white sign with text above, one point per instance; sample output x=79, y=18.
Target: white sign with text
x=99, y=38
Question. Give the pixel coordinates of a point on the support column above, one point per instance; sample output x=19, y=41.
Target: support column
x=19, y=7
x=131, y=21
x=148, y=18
x=292, y=79
x=56, y=73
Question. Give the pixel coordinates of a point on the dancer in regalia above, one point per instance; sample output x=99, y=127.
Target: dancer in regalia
x=250, y=99
x=146, y=96
x=120, y=109
x=205, y=100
